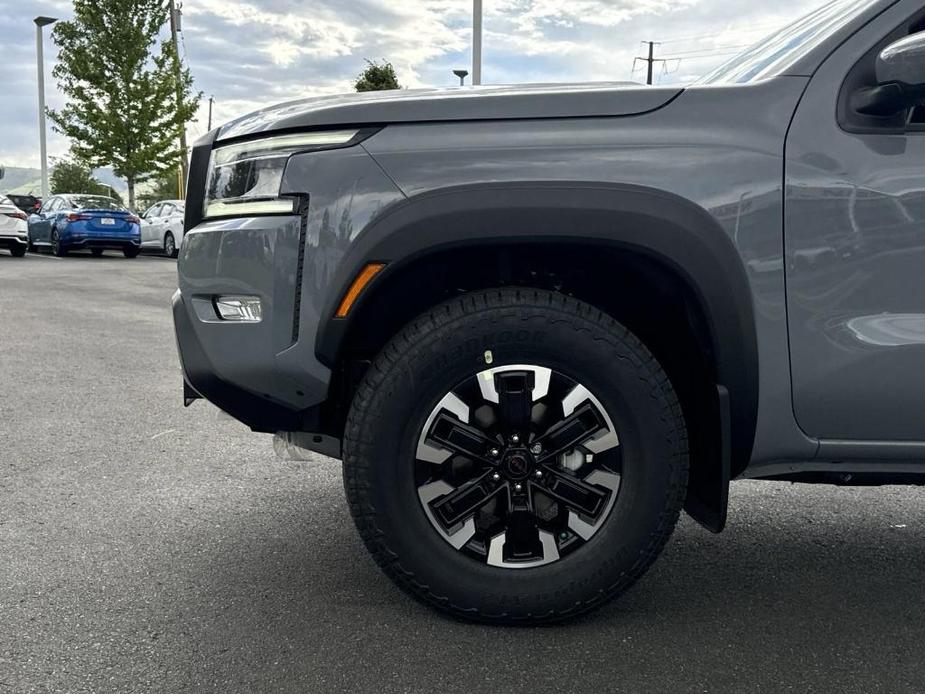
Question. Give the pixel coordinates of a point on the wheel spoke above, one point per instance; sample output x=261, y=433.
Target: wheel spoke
x=603, y=478
x=452, y=509
x=603, y=440
x=463, y=439
x=515, y=396
x=548, y=547
x=433, y=490
x=580, y=426
x=577, y=495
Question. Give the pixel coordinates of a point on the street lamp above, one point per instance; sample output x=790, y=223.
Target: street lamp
x=476, y=42
x=461, y=74
x=40, y=60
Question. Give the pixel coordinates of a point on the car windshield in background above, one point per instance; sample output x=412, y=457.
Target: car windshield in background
x=781, y=50
x=91, y=202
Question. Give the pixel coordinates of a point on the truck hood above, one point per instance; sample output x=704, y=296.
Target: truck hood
x=455, y=104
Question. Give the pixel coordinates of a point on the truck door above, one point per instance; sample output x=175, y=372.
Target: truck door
x=855, y=248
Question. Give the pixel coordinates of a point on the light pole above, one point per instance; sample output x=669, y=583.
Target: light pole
x=174, y=28
x=476, y=42
x=461, y=74
x=41, y=22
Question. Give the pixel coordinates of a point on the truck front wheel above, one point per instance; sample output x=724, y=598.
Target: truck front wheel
x=515, y=456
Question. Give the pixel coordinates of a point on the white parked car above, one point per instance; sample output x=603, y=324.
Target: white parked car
x=162, y=227
x=14, y=231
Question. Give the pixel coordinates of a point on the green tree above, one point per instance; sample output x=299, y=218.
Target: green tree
x=125, y=107
x=377, y=76
x=71, y=176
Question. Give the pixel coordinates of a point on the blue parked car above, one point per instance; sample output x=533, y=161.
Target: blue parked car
x=73, y=221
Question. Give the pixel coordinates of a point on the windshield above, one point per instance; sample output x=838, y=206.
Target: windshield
x=781, y=50
x=92, y=202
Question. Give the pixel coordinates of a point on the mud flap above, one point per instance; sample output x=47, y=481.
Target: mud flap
x=708, y=492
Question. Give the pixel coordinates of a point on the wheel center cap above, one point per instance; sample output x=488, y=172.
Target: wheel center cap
x=517, y=465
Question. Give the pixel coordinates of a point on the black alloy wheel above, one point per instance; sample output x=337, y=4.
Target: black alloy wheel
x=518, y=466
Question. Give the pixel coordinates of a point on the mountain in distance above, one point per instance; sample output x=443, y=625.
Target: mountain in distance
x=23, y=180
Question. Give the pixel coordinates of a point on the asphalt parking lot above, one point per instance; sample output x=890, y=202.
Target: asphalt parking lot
x=148, y=547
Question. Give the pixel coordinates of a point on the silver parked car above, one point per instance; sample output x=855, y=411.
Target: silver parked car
x=162, y=227
x=13, y=229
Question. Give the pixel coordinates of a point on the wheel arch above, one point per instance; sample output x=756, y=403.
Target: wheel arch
x=656, y=237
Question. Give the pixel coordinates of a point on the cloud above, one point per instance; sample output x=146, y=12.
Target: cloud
x=250, y=53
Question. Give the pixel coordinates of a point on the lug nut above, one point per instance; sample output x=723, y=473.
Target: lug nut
x=494, y=452
x=518, y=487
x=538, y=473
x=536, y=448
x=515, y=438
x=496, y=477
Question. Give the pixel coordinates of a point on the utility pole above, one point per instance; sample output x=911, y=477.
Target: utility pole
x=476, y=42
x=650, y=60
x=41, y=22
x=174, y=29
x=211, y=99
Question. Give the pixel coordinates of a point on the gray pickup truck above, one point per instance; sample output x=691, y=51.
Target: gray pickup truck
x=537, y=322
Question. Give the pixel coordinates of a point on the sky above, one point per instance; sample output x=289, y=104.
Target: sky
x=252, y=53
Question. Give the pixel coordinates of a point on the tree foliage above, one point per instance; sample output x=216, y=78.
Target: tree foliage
x=72, y=176
x=377, y=76
x=125, y=108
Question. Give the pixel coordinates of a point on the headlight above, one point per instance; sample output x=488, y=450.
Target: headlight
x=245, y=178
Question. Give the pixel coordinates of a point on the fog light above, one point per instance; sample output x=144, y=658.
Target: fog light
x=241, y=309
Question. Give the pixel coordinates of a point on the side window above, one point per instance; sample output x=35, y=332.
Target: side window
x=155, y=211
x=51, y=205
x=167, y=211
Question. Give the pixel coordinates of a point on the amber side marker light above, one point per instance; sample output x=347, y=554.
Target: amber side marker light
x=359, y=284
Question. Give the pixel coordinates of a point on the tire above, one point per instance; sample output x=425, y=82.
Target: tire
x=443, y=348
x=56, y=247
x=97, y=252
x=170, y=245
x=131, y=251
x=18, y=251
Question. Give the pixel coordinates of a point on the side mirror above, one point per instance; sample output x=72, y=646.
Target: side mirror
x=903, y=62
x=901, y=77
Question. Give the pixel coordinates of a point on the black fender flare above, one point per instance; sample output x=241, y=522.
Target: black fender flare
x=665, y=226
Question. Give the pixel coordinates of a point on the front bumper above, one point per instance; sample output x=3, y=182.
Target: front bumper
x=260, y=373
x=201, y=378
x=268, y=374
